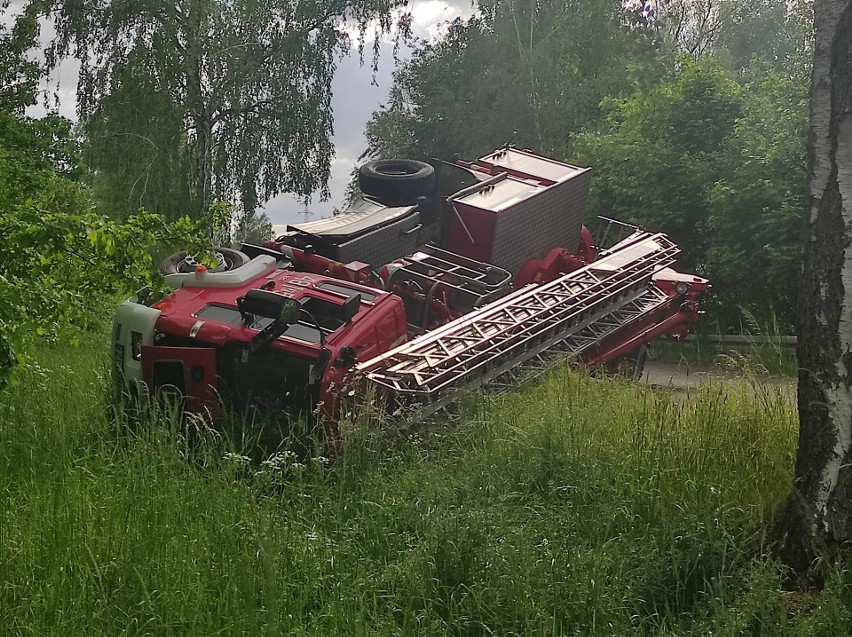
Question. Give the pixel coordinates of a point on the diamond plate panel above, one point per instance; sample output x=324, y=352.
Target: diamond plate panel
x=550, y=218
x=382, y=245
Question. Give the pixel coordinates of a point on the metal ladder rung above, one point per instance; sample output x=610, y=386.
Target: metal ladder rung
x=425, y=405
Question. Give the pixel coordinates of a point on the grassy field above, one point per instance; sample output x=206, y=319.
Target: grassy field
x=578, y=506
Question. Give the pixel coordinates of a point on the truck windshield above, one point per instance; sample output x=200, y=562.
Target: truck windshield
x=304, y=330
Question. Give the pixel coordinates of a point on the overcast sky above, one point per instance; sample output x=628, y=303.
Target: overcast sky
x=355, y=97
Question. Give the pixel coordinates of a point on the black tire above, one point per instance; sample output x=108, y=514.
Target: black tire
x=396, y=181
x=182, y=263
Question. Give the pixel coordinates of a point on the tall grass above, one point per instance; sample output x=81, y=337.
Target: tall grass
x=577, y=506
x=768, y=354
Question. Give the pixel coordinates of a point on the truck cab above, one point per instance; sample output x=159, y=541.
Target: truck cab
x=219, y=335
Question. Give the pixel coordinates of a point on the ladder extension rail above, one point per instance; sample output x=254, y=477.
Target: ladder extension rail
x=426, y=404
x=574, y=282
x=579, y=291
x=580, y=336
x=588, y=304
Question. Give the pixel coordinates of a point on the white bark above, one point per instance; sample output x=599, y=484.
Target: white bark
x=818, y=517
x=824, y=23
x=839, y=394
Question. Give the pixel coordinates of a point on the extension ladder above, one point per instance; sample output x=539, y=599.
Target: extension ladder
x=571, y=313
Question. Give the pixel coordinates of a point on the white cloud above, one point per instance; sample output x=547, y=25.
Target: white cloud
x=59, y=91
x=427, y=18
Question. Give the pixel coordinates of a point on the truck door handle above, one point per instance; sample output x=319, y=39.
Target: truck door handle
x=413, y=230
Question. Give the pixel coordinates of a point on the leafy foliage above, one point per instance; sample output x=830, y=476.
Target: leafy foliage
x=748, y=35
x=655, y=162
x=19, y=74
x=765, y=35
x=720, y=167
x=136, y=149
x=59, y=260
x=540, y=69
x=252, y=228
x=244, y=89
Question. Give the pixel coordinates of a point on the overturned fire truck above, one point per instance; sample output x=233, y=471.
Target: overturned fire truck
x=440, y=277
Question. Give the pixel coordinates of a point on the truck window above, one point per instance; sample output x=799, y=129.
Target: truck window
x=302, y=331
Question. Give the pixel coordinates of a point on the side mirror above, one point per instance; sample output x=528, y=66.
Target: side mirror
x=269, y=304
x=143, y=296
x=283, y=311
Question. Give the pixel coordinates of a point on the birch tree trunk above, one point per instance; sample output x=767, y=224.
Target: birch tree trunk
x=817, y=520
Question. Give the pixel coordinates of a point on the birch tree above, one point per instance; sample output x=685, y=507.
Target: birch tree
x=250, y=79
x=817, y=520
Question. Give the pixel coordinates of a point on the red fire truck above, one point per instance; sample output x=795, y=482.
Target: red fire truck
x=438, y=278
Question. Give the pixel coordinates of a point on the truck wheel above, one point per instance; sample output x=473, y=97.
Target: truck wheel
x=182, y=263
x=395, y=181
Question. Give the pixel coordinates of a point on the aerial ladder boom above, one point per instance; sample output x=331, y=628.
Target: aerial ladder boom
x=572, y=313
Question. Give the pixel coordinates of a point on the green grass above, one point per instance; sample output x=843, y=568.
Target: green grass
x=578, y=506
x=769, y=355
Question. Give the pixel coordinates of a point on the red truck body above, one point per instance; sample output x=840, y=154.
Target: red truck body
x=358, y=294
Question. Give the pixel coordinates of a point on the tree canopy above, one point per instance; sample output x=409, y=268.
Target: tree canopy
x=720, y=167
x=525, y=67
x=238, y=90
x=692, y=115
x=58, y=258
x=19, y=74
